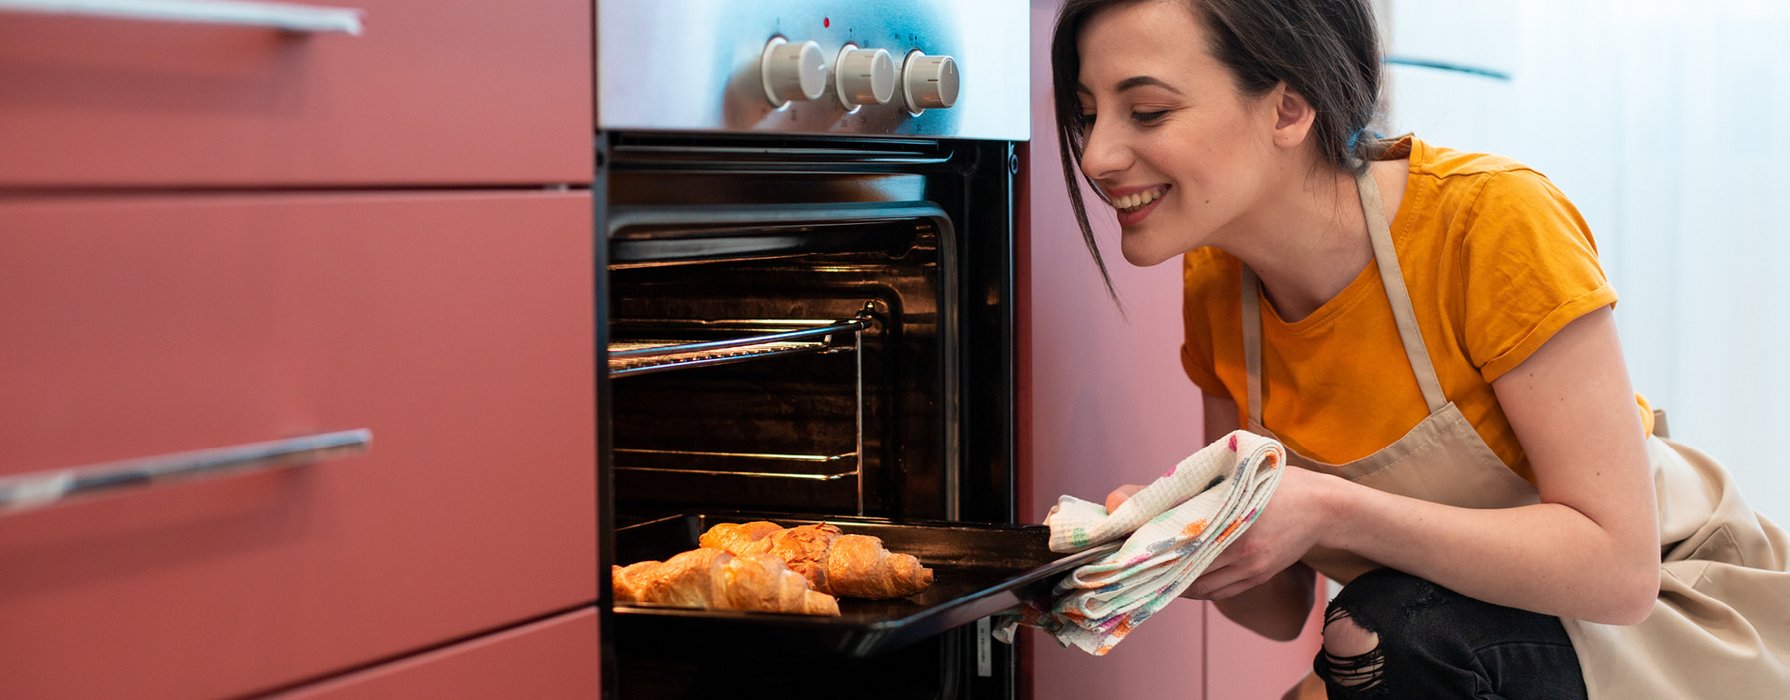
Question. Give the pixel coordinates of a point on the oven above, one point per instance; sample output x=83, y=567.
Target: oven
x=806, y=218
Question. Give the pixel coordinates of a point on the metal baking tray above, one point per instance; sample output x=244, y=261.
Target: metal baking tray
x=978, y=570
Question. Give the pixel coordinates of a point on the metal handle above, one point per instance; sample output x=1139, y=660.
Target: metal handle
x=268, y=15
x=27, y=491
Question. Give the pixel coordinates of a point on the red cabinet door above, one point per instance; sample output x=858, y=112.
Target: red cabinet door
x=431, y=92
x=548, y=660
x=456, y=327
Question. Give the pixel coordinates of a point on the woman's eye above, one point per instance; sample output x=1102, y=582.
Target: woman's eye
x=1087, y=119
x=1148, y=117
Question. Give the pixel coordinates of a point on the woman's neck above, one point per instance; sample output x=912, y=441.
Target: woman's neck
x=1308, y=247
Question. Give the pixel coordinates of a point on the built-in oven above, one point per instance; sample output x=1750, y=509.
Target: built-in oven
x=806, y=220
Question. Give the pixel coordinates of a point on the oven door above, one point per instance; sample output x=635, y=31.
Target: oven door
x=813, y=330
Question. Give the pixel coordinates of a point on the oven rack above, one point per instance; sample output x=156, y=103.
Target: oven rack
x=822, y=467
x=764, y=338
x=635, y=357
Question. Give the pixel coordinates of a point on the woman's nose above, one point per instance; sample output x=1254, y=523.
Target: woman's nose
x=1103, y=153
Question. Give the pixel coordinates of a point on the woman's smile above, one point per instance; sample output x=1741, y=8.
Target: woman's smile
x=1135, y=206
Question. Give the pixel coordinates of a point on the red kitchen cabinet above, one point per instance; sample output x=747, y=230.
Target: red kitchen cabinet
x=457, y=327
x=432, y=92
x=549, y=660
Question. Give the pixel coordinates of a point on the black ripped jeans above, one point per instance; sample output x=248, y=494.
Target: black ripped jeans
x=1436, y=643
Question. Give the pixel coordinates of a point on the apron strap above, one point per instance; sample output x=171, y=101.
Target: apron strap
x=1252, y=345
x=1400, y=298
x=1394, y=282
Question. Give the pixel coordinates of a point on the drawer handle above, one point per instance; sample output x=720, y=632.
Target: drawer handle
x=269, y=15
x=27, y=491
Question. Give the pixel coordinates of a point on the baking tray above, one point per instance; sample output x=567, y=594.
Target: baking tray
x=978, y=570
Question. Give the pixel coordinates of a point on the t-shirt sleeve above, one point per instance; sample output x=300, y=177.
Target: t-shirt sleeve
x=1531, y=268
x=1199, y=368
x=1197, y=357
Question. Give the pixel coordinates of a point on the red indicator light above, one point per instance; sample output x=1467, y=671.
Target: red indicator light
x=826, y=22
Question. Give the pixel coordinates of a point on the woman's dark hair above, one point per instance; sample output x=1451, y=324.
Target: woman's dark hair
x=1328, y=51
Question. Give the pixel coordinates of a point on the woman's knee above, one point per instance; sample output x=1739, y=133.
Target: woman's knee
x=1371, y=617
x=1343, y=636
x=1390, y=634
x=1386, y=602
x=1352, y=657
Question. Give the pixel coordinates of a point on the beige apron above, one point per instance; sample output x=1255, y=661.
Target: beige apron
x=1721, y=626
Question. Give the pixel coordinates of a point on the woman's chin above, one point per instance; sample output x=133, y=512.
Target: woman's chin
x=1141, y=254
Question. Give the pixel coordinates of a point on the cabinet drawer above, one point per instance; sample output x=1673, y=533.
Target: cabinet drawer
x=431, y=92
x=457, y=328
x=551, y=659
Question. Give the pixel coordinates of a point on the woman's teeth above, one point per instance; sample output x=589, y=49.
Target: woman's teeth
x=1133, y=201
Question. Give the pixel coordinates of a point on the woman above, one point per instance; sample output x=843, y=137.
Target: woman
x=1430, y=335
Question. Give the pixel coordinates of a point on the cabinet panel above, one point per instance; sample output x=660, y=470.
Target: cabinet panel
x=456, y=327
x=432, y=92
x=548, y=660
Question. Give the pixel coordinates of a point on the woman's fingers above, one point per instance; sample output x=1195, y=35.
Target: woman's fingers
x=1213, y=579
x=1234, y=589
x=1120, y=495
x=1234, y=570
x=1224, y=582
x=1230, y=580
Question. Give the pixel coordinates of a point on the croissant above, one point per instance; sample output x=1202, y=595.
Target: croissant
x=849, y=566
x=714, y=579
x=739, y=539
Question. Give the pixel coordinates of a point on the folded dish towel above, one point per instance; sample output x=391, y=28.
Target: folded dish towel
x=1173, y=529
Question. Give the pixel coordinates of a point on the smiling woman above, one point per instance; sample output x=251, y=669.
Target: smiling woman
x=1217, y=84
x=1440, y=361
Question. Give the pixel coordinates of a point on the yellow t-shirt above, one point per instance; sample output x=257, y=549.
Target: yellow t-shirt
x=1496, y=260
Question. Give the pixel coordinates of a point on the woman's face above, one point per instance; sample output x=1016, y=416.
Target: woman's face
x=1174, y=147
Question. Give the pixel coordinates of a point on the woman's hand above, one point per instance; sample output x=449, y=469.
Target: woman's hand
x=1296, y=519
x=1294, y=522
x=1121, y=495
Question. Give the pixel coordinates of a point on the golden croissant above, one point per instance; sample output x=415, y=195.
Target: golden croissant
x=717, y=580
x=850, y=566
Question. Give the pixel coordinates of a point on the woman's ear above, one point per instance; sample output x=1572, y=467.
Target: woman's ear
x=1292, y=115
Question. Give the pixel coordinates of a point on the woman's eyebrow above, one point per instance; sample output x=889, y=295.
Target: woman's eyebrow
x=1143, y=80
x=1135, y=81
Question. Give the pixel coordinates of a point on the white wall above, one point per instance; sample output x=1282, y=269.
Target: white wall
x=1665, y=122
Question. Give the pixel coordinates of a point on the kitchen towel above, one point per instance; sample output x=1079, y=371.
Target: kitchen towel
x=1173, y=529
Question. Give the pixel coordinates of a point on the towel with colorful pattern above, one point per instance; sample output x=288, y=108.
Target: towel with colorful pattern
x=1173, y=529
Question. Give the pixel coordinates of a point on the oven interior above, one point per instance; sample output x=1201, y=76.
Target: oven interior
x=800, y=380
x=807, y=327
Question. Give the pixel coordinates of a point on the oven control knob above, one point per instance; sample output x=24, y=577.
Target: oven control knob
x=864, y=76
x=792, y=71
x=928, y=82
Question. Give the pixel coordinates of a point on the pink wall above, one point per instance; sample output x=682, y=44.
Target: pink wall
x=1105, y=403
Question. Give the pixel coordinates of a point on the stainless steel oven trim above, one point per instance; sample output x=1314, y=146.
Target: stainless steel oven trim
x=694, y=65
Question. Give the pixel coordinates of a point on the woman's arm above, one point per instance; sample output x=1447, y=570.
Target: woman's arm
x=1277, y=608
x=1589, y=550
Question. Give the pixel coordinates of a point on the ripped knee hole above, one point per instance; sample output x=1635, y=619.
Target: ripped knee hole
x=1352, y=653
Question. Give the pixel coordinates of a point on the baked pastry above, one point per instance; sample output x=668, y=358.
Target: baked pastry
x=717, y=580
x=849, y=566
x=738, y=538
